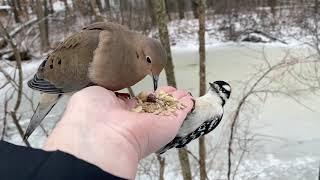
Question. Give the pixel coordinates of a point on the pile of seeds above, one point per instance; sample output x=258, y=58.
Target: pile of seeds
x=159, y=103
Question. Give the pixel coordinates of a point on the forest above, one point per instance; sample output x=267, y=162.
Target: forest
x=269, y=51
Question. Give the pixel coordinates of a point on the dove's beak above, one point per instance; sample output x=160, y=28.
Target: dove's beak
x=155, y=79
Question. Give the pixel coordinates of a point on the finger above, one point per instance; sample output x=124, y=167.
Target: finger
x=180, y=94
x=130, y=103
x=166, y=89
x=182, y=113
x=188, y=103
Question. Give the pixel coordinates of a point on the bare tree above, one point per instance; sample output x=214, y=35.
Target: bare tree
x=96, y=11
x=151, y=12
x=14, y=5
x=107, y=5
x=51, y=10
x=159, y=9
x=270, y=80
x=162, y=166
x=202, y=73
x=66, y=6
x=18, y=86
x=181, y=7
x=195, y=8
x=42, y=26
x=185, y=163
x=161, y=16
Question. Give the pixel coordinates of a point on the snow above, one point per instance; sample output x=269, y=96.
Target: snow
x=184, y=33
x=5, y=7
x=58, y=6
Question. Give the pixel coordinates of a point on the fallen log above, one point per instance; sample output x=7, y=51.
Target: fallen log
x=252, y=35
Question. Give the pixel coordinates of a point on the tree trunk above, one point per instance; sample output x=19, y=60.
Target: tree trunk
x=210, y=4
x=51, y=10
x=195, y=8
x=202, y=50
x=202, y=74
x=162, y=166
x=161, y=16
x=181, y=9
x=18, y=4
x=14, y=5
x=316, y=6
x=96, y=11
x=46, y=23
x=185, y=164
x=42, y=26
x=123, y=10
x=99, y=5
x=151, y=12
x=107, y=5
x=166, y=2
x=66, y=7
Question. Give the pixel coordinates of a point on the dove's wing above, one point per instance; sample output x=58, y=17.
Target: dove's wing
x=66, y=68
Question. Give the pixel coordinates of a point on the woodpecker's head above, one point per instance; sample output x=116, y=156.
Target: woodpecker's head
x=223, y=89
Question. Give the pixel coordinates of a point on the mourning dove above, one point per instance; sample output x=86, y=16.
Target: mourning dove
x=103, y=54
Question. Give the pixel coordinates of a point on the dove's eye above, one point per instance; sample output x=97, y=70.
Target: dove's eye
x=148, y=59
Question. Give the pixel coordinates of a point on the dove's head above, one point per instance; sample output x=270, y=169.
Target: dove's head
x=154, y=59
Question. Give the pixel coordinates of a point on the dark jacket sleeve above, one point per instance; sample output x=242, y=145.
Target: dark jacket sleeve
x=22, y=163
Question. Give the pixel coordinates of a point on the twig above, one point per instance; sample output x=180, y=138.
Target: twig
x=20, y=84
x=162, y=166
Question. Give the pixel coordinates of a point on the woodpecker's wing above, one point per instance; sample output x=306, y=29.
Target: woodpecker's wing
x=206, y=116
x=180, y=142
x=206, y=108
x=204, y=129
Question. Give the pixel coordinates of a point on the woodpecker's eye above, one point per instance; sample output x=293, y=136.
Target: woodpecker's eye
x=148, y=59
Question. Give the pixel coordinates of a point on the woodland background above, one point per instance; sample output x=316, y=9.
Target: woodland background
x=29, y=29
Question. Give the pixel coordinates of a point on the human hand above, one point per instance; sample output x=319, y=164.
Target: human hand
x=99, y=128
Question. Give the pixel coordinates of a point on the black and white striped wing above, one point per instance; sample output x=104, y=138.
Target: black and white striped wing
x=205, y=128
x=43, y=85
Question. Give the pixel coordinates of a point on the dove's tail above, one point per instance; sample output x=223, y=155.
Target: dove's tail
x=47, y=101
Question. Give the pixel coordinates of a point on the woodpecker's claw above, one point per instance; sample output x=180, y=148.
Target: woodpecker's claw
x=194, y=103
x=193, y=106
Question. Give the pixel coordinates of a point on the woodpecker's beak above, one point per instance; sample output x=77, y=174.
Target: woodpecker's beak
x=155, y=79
x=212, y=85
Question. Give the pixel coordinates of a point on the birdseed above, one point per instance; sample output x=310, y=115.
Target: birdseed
x=159, y=103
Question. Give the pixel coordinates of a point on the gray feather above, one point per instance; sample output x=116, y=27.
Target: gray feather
x=46, y=103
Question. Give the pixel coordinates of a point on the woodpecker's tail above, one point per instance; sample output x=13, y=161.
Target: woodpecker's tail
x=170, y=145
